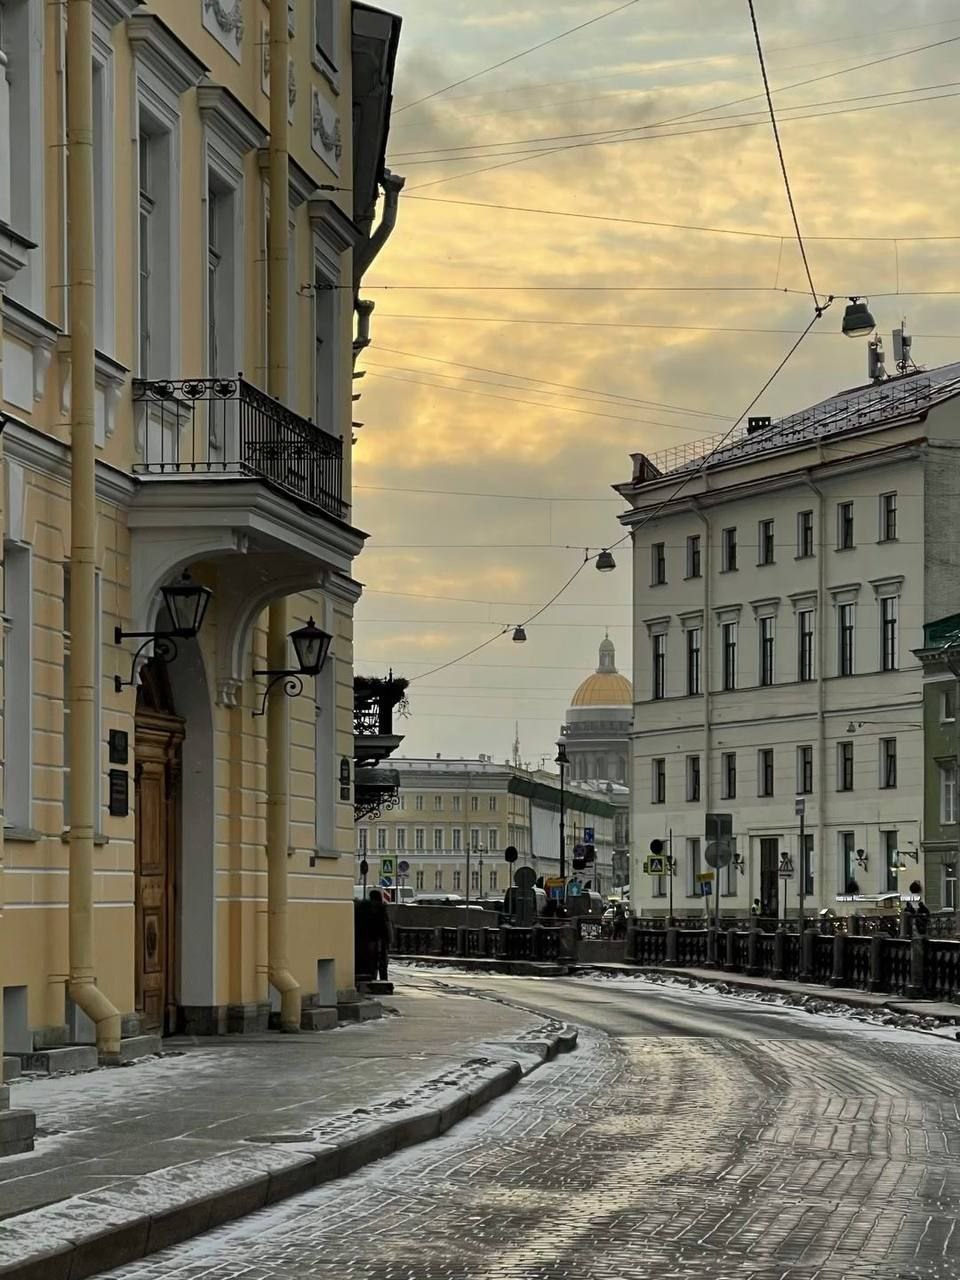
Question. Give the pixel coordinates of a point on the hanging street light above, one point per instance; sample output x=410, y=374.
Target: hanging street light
x=857, y=320
x=605, y=561
x=519, y=635
x=311, y=645
x=186, y=604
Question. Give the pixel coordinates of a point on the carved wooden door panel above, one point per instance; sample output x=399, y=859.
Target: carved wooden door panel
x=156, y=783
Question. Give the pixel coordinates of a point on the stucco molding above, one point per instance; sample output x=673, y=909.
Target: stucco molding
x=110, y=12
x=156, y=47
x=228, y=15
x=40, y=453
x=37, y=333
x=891, y=585
x=227, y=115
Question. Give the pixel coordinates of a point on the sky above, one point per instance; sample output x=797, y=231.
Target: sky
x=519, y=358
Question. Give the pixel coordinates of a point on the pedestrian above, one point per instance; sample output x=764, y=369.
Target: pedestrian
x=619, y=921
x=921, y=919
x=755, y=909
x=378, y=925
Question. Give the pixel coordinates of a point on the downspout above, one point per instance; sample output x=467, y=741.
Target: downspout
x=820, y=860
x=365, y=253
x=278, y=740
x=84, y=624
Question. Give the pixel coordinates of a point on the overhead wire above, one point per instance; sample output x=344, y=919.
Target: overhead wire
x=614, y=324
x=515, y=57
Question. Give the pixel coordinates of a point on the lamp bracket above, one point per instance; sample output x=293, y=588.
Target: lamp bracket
x=164, y=648
x=292, y=686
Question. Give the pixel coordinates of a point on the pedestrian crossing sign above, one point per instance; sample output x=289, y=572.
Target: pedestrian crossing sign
x=655, y=865
x=386, y=866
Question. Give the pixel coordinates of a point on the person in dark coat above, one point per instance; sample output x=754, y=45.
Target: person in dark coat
x=378, y=926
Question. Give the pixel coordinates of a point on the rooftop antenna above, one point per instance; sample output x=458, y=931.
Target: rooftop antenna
x=875, y=367
x=902, y=344
x=518, y=763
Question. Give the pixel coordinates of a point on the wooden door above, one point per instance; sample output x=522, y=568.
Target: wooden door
x=769, y=876
x=157, y=778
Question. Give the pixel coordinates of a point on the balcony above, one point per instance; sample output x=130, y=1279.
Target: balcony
x=375, y=699
x=218, y=427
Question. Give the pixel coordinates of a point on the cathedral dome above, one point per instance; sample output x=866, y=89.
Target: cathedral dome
x=606, y=687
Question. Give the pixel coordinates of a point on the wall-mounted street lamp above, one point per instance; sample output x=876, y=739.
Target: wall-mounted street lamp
x=186, y=604
x=311, y=645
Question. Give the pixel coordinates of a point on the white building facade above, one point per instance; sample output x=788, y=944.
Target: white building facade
x=779, y=593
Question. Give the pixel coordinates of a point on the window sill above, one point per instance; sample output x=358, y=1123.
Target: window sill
x=22, y=835
x=838, y=550
x=766, y=564
x=692, y=577
x=803, y=555
x=733, y=570
x=664, y=583
x=881, y=542
x=326, y=68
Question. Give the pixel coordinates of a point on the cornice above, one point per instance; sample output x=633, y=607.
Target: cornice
x=110, y=12
x=333, y=225
x=227, y=114
x=156, y=46
x=36, y=451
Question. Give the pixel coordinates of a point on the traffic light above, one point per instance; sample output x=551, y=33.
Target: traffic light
x=510, y=853
x=656, y=846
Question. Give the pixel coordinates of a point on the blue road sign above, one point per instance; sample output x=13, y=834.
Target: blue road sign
x=706, y=888
x=588, y=835
x=386, y=882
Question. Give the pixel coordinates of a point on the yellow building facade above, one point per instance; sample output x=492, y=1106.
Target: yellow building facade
x=189, y=864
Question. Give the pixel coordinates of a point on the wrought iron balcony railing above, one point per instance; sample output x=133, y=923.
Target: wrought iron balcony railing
x=227, y=426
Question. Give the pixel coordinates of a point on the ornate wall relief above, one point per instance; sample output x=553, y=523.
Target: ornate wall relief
x=224, y=20
x=326, y=135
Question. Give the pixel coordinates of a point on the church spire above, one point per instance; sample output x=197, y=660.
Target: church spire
x=608, y=655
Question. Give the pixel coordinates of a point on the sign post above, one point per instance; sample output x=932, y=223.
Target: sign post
x=801, y=809
x=719, y=851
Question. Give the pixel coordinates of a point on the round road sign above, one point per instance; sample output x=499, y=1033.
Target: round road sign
x=403, y=866
x=718, y=853
x=524, y=877
x=510, y=853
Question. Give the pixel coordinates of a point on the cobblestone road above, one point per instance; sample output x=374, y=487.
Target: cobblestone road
x=801, y=1151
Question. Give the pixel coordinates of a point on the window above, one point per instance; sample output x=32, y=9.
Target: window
x=381, y=839
x=21, y=121
x=950, y=886
x=103, y=190
x=214, y=257
x=325, y=30
x=362, y=838
x=805, y=644
x=658, y=781
x=403, y=802
x=888, y=762
x=728, y=634
x=806, y=864
x=693, y=777
x=845, y=641
x=693, y=866
x=18, y=683
x=457, y=840
x=804, y=771
x=888, y=517
x=765, y=771
x=493, y=839
x=948, y=705
x=765, y=633
x=438, y=839
x=845, y=766
x=419, y=803
x=844, y=526
x=693, y=660
x=804, y=535
x=418, y=878
x=891, y=859
x=401, y=839
x=728, y=879
x=438, y=802
x=493, y=880
x=659, y=666
x=948, y=793
x=658, y=564
x=456, y=804
x=847, y=845
x=97, y=700
x=457, y=879
x=438, y=879
x=419, y=839
x=765, y=543
x=147, y=206
x=729, y=550
x=474, y=838
x=693, y=556
x=474, y=880
x=493, y=804
x=474, y=803
x=888, y=633
x=728, y=775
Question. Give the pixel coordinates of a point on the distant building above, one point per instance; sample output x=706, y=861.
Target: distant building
x=941, y=757
x=454, y=819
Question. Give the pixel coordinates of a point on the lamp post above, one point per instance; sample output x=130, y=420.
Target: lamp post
x=186, y=606
x=562, y=761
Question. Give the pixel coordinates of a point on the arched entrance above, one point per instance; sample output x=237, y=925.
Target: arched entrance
x=159, y=735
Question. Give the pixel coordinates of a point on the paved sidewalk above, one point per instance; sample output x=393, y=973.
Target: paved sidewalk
x=209, y=1097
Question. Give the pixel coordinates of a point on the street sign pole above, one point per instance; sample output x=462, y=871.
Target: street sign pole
x=670, y=870
x=803, y=869
x=468, y=873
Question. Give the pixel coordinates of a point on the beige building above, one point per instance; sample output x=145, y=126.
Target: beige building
x=173, y=858
x=449, y=809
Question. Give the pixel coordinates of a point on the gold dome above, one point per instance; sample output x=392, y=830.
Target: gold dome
x=606, y=687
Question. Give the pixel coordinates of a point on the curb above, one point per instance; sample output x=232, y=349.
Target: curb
x=487, y=964
x=92, y=1233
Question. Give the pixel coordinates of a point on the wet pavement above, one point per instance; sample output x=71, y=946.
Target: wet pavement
x=690, y=1136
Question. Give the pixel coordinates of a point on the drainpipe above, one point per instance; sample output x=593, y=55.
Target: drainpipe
x=278, y=740
x=84, y=624
x=365, y=253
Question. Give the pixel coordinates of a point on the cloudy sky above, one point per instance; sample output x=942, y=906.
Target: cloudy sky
x=520, y=356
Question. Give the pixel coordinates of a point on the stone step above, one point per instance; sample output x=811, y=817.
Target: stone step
x=17, y=1129
x=134, y=1047
x=359, y=1010
x=374, y=988
x=321, y=1019
x=74, y=1057
x=11, y=1068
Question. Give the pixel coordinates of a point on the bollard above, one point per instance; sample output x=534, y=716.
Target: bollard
x=839, y=978
x=807, y=943
x=779, y=953
x=875, y=982
x=731, y=956
x=712, y=948
x=918, y=956
x=672, y=950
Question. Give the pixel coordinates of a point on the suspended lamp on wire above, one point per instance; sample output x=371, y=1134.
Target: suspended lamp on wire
x=857, y=320
x=519, y=635
x=605, y=561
